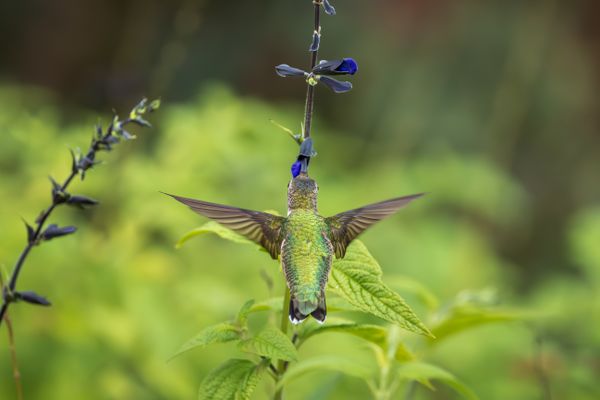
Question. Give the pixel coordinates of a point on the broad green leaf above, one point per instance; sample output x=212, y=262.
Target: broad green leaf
x=328, y=363
x=271, y=343
x=357, y=278
x=372, y=333
x=215, y=228
x=220, y=333
x=464, y=317
x=423, y=373
x=234, y=380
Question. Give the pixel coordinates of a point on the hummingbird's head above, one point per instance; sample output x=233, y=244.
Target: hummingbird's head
x=302, y=193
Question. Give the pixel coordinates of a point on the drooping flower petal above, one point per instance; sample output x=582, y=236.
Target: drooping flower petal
x=314, y=46
x=329, y=9
x=335, y=85
x=285, y=70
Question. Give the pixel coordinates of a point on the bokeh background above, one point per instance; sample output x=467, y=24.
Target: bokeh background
x=491, y=107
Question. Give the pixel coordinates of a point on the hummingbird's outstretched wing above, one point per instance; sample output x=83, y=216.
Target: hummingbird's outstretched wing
x=262, y=228
x=346, y=226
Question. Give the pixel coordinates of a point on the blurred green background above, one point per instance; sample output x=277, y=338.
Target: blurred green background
x=491, y=107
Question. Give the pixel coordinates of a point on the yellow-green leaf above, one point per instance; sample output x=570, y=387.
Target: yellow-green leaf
x=357, y=278
x=372, y=333
x=234, y=380
x=215, y=228
x=271, y=343
x=327, y=363
x=424, y=372
x=464, y=317
x=220, y=333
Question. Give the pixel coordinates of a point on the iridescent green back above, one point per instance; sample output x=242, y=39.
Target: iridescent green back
x=306, y=257
x=306, y=251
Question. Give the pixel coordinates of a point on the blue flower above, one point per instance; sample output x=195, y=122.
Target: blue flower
x=296, y=168
x=346, y=66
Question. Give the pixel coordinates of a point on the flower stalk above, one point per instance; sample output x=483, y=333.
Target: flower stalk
x=101, y=141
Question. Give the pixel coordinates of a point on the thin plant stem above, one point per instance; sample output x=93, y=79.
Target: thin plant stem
x=13, y=357
x=310, y=92
x=35, y=238
x=13, y=352
x=283, y=325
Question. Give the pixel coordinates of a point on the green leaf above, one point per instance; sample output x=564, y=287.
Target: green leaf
x=234, y=380
x=213, y=227
x=328, y=363
x=242, y=316
x=423, y=373
x=271, y=343
x=272, y=304
x=372, y=333
x=463, y=317
x=357, y=278
x=220, y=333
x=416, y=288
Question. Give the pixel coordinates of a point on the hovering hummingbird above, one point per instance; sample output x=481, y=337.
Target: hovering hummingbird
x=305, y=240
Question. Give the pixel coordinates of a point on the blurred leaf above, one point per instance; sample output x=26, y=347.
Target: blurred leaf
x=328, y=363
x=220, y=333
x=426, y=296
x=272, y=304
x=213, y=227
x=242, y=316
x=403, y=353
x=461, y=318
x=234, y=380
x=271, y=343
x=423, y=373
x=372, y=333
x=584, y=237
x=357, y=278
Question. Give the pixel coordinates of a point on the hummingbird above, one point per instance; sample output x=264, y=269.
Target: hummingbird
x=305, y=241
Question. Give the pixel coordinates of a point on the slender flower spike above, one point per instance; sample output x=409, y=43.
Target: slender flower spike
x=346, y=66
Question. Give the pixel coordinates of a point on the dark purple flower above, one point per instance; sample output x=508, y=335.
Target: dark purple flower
x=346, y=66
x=296, y=168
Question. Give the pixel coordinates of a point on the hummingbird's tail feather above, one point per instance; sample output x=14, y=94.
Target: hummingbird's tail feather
x=320, y=314
x=300, y=310
x=296, y=316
